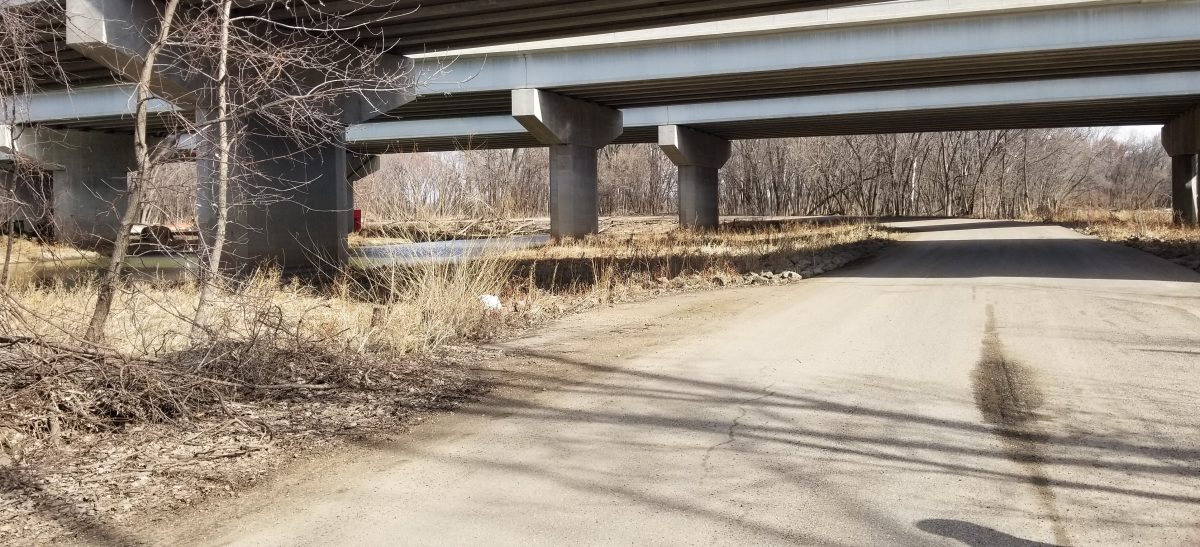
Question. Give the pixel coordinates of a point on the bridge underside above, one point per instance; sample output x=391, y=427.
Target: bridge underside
x=1141, y=99
x=939, y=68
x=411, y=26
x=1093, y=114
x=1145, y=58
x=408, y=26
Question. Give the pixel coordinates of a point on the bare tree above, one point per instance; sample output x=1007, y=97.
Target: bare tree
x=24, y=196
x=136, y=188
x=1009, y=173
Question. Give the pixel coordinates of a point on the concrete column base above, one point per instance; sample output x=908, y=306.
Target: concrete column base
x=289, y=207
x=699, y=195
x=574, y=197
x=1184, y=170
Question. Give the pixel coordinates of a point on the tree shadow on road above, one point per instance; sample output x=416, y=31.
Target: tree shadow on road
x=806, y=425
x=975, y=535
x=1067, y=258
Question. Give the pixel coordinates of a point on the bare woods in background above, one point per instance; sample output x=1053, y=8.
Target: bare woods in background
x=1010, y=173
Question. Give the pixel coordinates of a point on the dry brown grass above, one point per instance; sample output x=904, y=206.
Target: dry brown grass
x=1123, y=224
x=623, y=266
x=442, y=229
x=265, y=331
x=265, y=339
x=283, y=365
x=783, y=237
x=25, y=250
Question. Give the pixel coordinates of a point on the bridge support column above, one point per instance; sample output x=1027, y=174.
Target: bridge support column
x=699, y=157
x=289, y=199
x=1181, y=139
x=1183, y=189
x=358, y=167
x=288, y=202
x=574, y=130
x=90, y=172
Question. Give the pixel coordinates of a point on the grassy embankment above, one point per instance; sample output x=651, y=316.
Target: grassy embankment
x=163, y=414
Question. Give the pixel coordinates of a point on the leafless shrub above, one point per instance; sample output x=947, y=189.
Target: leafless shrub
x=269, y=339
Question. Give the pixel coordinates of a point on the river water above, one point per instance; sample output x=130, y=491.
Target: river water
x=179, y=266
x=438, y=251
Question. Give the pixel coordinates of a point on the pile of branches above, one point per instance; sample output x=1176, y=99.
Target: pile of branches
x=49, y=390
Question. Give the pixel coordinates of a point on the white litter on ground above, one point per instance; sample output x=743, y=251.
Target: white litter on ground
x=490, y=301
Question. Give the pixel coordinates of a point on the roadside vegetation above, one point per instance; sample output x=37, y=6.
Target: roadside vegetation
x=164, y=413
x=1148, y=230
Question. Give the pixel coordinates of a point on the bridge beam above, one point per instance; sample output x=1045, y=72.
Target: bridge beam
x=699, y=157
x=1181, y=139
x=574, y=130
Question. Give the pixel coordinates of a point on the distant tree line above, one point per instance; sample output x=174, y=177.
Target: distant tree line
x=981, y=173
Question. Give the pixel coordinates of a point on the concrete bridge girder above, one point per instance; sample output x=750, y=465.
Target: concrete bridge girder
x=1146, y=98
x=699, y=157
x=574, y=130
x=951, y=42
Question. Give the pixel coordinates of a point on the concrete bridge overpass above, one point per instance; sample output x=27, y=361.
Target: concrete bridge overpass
x=893, y=67
x=397, y=26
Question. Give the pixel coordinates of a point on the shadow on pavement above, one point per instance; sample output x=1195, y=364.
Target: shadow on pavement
x=1067, y=258
x=974, y=534
x=809, y=425
x=952, y=225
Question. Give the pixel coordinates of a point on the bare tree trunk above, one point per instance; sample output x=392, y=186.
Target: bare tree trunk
x=137, y=188
x=211, y=277
x=8, y=247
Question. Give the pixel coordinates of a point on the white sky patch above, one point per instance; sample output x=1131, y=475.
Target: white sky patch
x=1135, y=132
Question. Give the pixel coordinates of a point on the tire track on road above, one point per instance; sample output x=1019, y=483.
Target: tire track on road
x=1008, y=397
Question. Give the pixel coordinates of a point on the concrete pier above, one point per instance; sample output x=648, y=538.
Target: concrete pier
x=289, y=204
x=1181, y=139
x=1183, y=189
x=574, y=130
x=699, y=157
x=90, y=171
x=574, y=196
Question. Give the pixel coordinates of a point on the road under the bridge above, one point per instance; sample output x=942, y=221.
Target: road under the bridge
x=981, y=383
